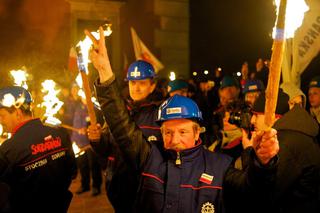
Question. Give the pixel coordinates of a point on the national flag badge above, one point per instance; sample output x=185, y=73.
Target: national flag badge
x=205, y=178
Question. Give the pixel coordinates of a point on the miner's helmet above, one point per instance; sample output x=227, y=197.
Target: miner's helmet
x=140, y=70
x=179, y=107
x=15, y=96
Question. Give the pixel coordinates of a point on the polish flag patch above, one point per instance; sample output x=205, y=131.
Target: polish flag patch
x=205, y=178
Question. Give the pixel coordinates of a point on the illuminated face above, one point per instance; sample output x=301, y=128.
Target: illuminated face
x=180, y=134
x=226, y=125
x=314, y=96
x=140, y=89
x=228, y=94
x=251, y=97
x=183, y=92
x=9, y=120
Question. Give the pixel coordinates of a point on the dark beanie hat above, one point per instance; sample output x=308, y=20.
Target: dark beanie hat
x=282, y=103
x=315, y=82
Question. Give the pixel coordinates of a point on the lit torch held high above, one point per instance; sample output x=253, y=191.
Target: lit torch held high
x=289, y=18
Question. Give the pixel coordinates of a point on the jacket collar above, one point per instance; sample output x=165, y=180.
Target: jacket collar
x=24, y=123
x=186, y=155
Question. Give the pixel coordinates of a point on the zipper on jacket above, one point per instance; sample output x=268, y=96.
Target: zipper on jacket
x=178, y=160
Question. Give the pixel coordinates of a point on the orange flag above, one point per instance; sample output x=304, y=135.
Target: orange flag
x=143, y=53
x=72, y=63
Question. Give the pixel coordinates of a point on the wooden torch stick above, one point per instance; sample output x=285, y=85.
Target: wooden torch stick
x=275, y=66
x=69, y=127
x=87, y=92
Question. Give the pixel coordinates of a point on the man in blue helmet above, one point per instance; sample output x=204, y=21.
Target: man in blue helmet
x=143, y=106
x=37, y=162
x=144, y=100
x=180, y=175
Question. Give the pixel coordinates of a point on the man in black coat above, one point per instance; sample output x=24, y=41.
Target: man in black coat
x=297, y=180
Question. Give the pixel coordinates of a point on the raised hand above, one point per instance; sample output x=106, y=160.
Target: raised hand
x=266, y=145
x=99, y=56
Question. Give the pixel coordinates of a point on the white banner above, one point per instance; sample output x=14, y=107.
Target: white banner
x=305, y=45
x=143, y=53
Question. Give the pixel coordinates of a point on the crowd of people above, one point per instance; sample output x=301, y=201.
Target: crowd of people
x=167, y=146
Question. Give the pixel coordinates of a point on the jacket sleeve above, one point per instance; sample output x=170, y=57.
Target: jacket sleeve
x=127, y=135
x=254, y=185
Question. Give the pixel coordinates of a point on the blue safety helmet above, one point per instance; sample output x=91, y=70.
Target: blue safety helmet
x=15, y=96
x=178, y=107
x=140, y=70
x=253, y=86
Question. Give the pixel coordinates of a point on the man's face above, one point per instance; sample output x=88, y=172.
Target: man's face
x=140, y=89
x=314, y=96
x=251, y=97
x=9, y=120
x=179, y=134
x=228, y=94
x=258, y=122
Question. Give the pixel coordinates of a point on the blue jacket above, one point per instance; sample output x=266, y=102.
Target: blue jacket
x=194, y=185
x=145, y=113
x=203, y=180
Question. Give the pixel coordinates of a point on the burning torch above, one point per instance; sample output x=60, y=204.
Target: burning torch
x=286, y=24
x=20, y=78
x=82, y=50
x=51, y=102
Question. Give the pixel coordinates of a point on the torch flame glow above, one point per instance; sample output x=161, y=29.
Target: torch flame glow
x=51, y=102
x=172, y=76
x=76, y=150
x=1, y=129
x=20, y=78
x=86, y=44
x=294, y=16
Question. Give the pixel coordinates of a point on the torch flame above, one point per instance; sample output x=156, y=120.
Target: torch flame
x=1, y=130
x=86, y=44
x=20, y=78
x=294, y=16
x=51, y=102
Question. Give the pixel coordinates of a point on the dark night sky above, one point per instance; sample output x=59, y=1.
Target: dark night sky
x=228, y=32
x=223, y=33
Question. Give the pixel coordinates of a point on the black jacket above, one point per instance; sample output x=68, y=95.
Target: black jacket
x=298, y=177
x=146, y=159
x=121, y=180
x=38, y=164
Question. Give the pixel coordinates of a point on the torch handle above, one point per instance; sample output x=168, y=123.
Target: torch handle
x=275, y=67
x=69, y=127
x=87, y=92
